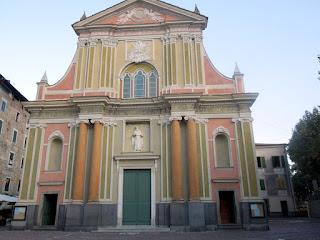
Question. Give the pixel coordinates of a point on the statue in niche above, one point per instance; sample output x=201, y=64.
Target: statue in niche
x=137, y=140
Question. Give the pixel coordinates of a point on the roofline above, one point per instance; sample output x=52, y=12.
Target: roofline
x=76, y=28
x=270, y=144
x=10, y=88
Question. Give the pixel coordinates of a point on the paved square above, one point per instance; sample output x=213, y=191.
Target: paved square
x=279, y=230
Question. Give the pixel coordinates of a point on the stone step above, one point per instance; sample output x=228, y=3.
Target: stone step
x=132, y=229
x=230, y=226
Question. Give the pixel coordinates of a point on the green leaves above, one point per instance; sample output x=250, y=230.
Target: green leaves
x=304, y=146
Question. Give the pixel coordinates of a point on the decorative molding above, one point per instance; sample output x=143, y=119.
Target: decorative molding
x=197, y=119
x=93, y=42
x=109, y=42
x=139, y=156
x=51, y=183
x=36, y=125
x=139, y=15
x=175, y=118
x=72, y=124
x=221, y=130
x=56, y=134
x=109, y=122
x=78, y=121
x=225, y=180
x=83, y=42
x=247, y=119
x=139, y=53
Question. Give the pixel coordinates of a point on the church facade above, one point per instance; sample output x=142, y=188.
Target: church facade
x=141, y=130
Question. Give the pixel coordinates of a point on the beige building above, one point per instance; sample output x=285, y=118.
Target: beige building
x=275, y=179
x=13, y=120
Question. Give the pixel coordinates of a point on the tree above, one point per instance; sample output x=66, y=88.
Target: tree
x=304, y=146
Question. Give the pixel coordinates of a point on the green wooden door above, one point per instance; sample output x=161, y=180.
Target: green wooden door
x=137, y=197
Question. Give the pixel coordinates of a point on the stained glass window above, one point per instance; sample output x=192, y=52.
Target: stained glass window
x=139, y=82
x=126, y=86
x=152, y=85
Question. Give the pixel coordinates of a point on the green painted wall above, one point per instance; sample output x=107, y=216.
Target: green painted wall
x=250, y=159
x=71, y=158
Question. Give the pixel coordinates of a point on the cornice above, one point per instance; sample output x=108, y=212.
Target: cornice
x=161, y=105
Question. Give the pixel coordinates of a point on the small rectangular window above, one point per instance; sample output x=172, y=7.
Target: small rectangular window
x=3, y=105
x=261, y=162
x=7, y=185
x=17, y=116
x=22, y=162
x=18, y=187
x=276, y=162
x=1, y=125
x=25, y=142
x=14, y=136
x=262, y=185
x=283, y=162
x=11, y=159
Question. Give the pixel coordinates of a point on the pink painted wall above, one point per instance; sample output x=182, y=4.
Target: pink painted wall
x=59, y=176
x=223, y=173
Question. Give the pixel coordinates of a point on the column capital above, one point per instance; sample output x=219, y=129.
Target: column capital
x=247, y=119
x=175, y=118
x=196, y=118
x=83, y=42
x=78, y=121
x=109, y=42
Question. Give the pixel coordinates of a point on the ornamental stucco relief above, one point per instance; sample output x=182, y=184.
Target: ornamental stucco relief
x=138, y=15
x=139, y=51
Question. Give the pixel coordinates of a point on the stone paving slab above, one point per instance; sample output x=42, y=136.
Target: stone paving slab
x=281, y=229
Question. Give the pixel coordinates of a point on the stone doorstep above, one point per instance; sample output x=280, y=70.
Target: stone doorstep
x=132, y=229
x=229, y=226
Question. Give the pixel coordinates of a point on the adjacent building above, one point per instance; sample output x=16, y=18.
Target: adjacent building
x=275, y=179
x=13, y=134
x=141, y=130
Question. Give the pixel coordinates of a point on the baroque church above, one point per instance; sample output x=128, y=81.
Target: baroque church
x=141, y=130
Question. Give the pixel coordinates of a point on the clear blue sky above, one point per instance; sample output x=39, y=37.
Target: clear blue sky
x=274, y=42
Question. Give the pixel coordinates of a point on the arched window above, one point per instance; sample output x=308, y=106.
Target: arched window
x=127, y=86
x=153, y=85
x=55, y=154
x=139, y=83
x=222, y=151
x=140, y=80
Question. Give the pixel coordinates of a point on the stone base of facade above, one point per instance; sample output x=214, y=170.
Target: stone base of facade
x=183, y=216
x=248, y=222
x=178, y=216
x=89, y=216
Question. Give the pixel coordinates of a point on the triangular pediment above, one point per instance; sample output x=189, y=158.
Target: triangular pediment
x=141, y=12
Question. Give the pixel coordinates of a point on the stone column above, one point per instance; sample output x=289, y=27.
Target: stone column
x=79, y=173
x=194, y=193
x=176, y=161
x=95, y=163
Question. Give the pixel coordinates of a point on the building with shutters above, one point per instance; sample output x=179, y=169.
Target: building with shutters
x=275, y=179
x=141, y=130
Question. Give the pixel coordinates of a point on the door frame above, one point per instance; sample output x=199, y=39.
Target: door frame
x=236, y=207
x=40, y=214
x=136, y=166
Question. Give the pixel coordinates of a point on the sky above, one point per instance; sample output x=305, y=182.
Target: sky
x=275, y=44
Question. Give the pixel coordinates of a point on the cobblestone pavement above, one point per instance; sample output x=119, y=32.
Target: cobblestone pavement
x=280, y=229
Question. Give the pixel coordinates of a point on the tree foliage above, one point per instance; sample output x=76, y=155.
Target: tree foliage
x=304, y=146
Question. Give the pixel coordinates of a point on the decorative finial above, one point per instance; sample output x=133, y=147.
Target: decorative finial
x=196, y=9
x=84, y=16
x=237, y=70
x=44, y=77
